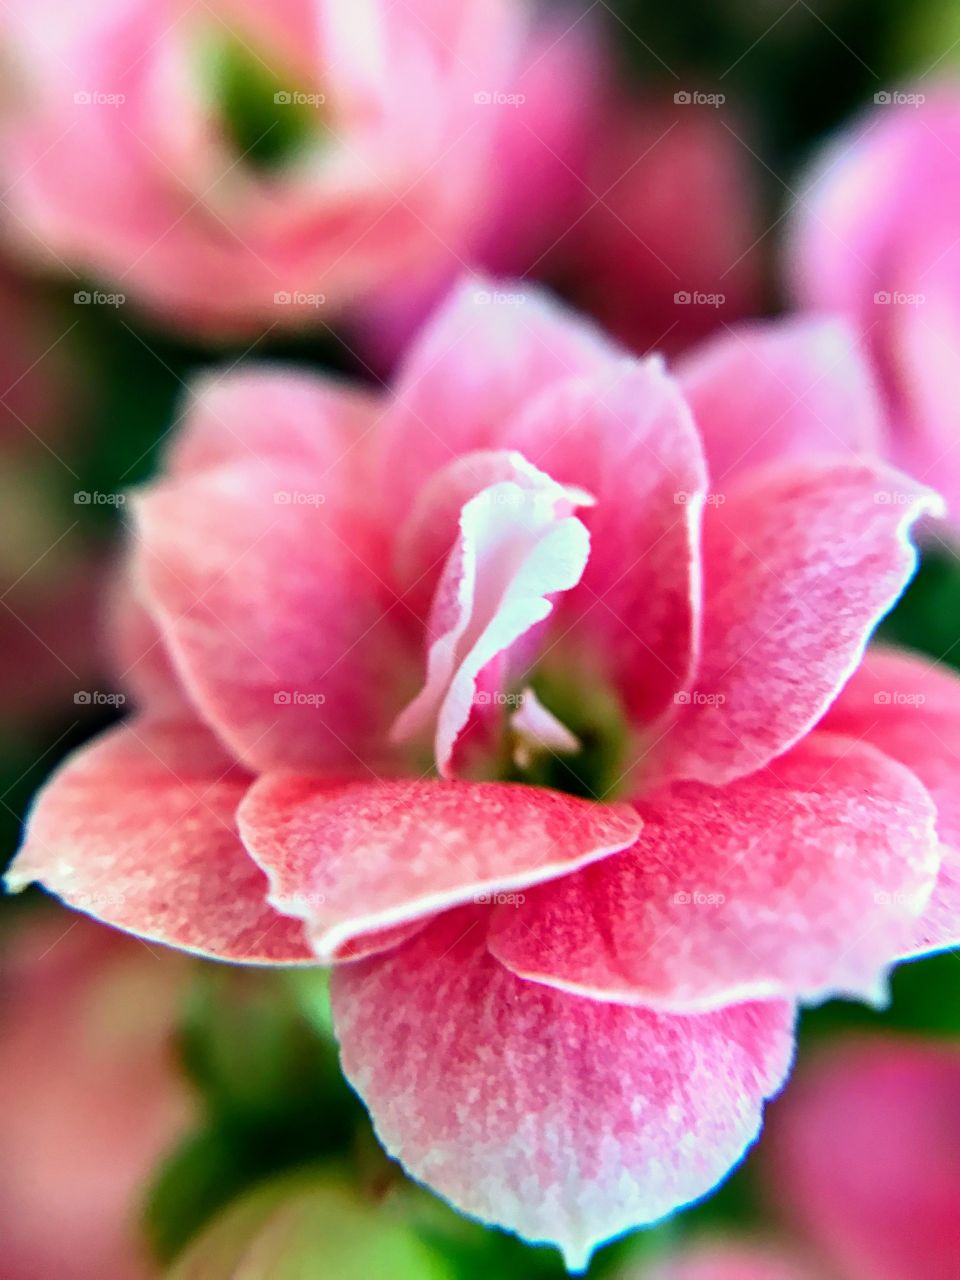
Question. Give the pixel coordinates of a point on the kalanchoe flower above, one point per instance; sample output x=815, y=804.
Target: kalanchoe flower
x=316, y=153
x=481, y=692
x=874, y=236
x=78, y=1147
x=863, y=1167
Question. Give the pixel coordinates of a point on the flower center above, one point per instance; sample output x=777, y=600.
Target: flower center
x=590, y=758
x=266, y=122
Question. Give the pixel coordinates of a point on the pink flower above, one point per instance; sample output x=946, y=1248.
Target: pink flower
x=874, y=236
x=646, y=211
x=482, y=688
x=79, y=1145
x=664, y=250
x=316, y=151
x=864, y=1162
x=866, y=1153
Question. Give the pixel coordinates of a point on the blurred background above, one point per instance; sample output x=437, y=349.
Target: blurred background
x=646, y=160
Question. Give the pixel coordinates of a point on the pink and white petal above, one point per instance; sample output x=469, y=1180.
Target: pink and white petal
x=271, y=414
x=909, y=707
x=864, y=1154
x=487, y=350
x=626, y=435
x=772, y=389
x=565, y=1120
x=804, y=880
x=138, y=829
x=353, y=858
x=277, y=616
x=517, y=546
x=801, y=561
x=140, y=657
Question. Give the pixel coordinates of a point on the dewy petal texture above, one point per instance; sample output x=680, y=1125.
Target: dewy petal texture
x=268, y=586
x=773, y=389
x=800, y=563
x=357, y=857
x=910, y=709
x=565, y=1120
x=517, y=545
x=802, y=880
x=139, y=830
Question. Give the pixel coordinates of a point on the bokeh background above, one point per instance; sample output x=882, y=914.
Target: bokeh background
x=164, y=1092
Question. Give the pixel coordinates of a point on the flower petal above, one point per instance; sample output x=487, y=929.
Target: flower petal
x=138, y=830
x=803, y=880
x=564, y=1120
x=268, y=414
x=910, y=709
x=801, y=561
x=277, y=615
x=517, y=545
x=627, y=437
x=488, y=349
x=782, y=388
x=355, y=857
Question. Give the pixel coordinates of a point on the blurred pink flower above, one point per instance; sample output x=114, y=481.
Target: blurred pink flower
x=646, y=213
x=665, y=249
x=863, y=1161
x=865, y=1153
x=875, y=237
x=385, y=645
x=235, y=165
x=93, y=1098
